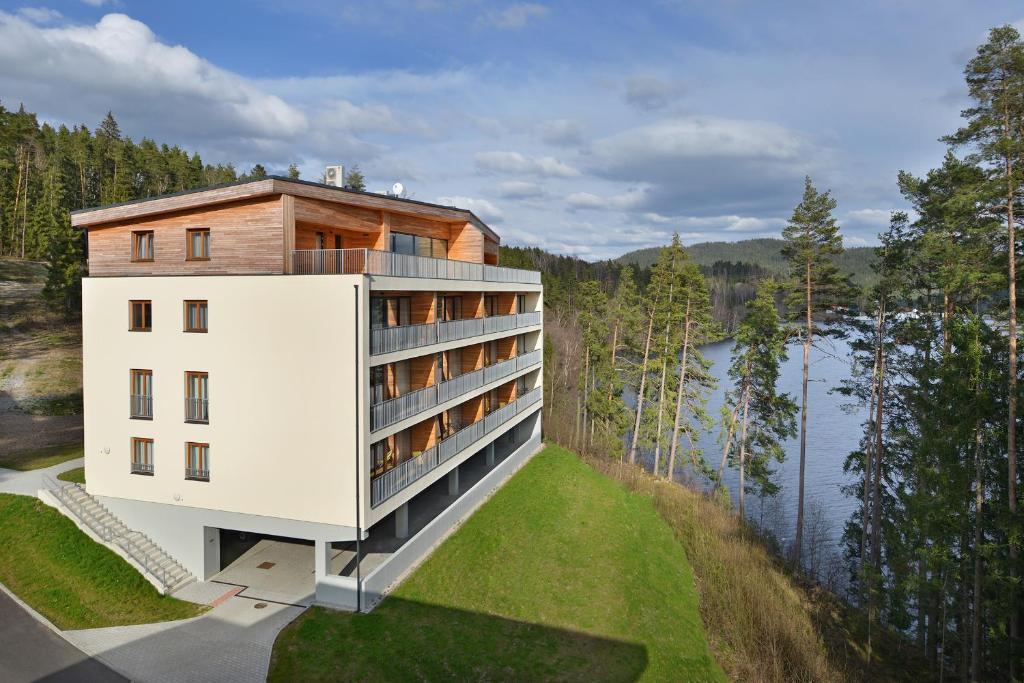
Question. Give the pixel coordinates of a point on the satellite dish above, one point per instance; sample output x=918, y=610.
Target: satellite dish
x=397, y=189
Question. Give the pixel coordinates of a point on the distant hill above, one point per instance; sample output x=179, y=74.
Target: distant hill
x=764, y=252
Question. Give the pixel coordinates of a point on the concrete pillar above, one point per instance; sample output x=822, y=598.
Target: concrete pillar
x=321, y=558
x=490, y=455
x=402, y=521
x=453, y=482
x=211, y=552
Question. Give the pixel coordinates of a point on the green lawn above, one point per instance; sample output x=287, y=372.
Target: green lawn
x=42, y=457
x=561, y=575
x=67, y=577
x=76, y=476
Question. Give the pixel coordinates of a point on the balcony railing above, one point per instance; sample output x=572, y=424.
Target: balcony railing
x=373, y=262
x=395, y=480
x=399, y=408
x=197, y=410
x=197, y=474
x=403, y=337
x=142, y=467
x=141, y=406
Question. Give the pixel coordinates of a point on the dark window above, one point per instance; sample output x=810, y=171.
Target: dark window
x=389, y=311
x=140, y=315
x=198, y=244
x=142, y=245
x=520, y=303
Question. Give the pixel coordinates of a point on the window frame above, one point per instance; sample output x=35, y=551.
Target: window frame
x=137, y=236
x=197, y=302
x=189, y=255
x=132, y=373
x=205, y=458
x=152, y=456
x=147, y=319
x=189, y=375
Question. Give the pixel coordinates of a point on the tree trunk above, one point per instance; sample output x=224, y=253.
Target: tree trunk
x=664, y=378
x=979, y=493
x=640, y=392
x=1011, y=417
x=798, y=541
x=876, y=493
x=728, y=442
x=743, y=452
x=679, y=393
x=586, y=393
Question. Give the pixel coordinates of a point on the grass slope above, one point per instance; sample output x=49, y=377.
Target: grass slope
x=76, y=476
x=42, y=457
x=70, y=579
x=562, y=575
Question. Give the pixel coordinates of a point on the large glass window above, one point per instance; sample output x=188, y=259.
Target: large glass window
x=417, y=245
x=403, y=244
x=389, y=311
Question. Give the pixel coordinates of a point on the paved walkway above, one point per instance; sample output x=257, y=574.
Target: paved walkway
x=28, y=483
x=33, y=652
x=231, y=643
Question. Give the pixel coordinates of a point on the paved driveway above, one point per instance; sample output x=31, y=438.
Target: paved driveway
x=30, y=651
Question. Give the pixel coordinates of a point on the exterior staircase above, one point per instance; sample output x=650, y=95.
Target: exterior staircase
x=160, y=568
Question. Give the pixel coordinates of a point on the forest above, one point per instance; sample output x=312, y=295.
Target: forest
x=933, y=550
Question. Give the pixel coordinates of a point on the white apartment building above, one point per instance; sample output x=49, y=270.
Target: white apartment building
x=277, y=358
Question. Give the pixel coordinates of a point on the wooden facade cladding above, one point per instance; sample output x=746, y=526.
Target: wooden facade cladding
x=465, y=243
x=473, y=410
x=472, y=357
x=506, y=393
x=422, y=371
x=422, y=308
x=246, y=238
x=423, y=435
x=506, y=348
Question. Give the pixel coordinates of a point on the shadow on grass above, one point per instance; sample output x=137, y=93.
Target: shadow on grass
x=406, y=640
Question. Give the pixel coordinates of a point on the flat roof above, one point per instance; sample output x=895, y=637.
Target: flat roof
x=270, y=185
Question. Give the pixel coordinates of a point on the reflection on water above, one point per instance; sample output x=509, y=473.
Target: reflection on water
x=833, y=431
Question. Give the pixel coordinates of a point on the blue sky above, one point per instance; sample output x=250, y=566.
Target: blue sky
x=588, y=128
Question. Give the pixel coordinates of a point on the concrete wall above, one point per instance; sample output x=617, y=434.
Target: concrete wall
x=282, y=379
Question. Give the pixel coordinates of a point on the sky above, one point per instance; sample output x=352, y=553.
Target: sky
x=585, y=128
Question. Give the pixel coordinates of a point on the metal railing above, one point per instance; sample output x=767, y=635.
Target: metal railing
x=373, y=262
x=394, y=410
x=107, y=532
x=142, y=467
x=197, y=474
x=141, y=406
x=404, y=337
x=400, y=477
x=197, y=409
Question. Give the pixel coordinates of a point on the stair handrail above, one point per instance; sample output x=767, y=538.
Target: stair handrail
x=104, y=531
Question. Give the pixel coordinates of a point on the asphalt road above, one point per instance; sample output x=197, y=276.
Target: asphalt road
x=29, y=651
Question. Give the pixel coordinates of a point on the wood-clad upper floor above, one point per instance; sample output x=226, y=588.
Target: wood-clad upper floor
x=256, y=227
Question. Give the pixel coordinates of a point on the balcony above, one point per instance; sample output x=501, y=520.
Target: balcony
x=404, y=337
x=407, y=473
x=373, y=262
x=197, y=474
x=197, y=410
x=142, y=468
x=141, y=407
x=408, y=405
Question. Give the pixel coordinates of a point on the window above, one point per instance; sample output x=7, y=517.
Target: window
x=389, y=311
x=415, y=245
x=490, y=304
x=197, y=461
x=449, y=307
x=490, y=352
x=142, y=456
x=141, y=394
x=520, y=303
x=491, y=401
x=520, y=385
x=142, y=245
x=198, y=244
x=320, y=244
x=195, y=316
x=197, y=397
x=378, y=453
x=520, y=344
x=140, y=316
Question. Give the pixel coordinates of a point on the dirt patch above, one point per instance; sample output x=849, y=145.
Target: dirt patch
x=40, y=364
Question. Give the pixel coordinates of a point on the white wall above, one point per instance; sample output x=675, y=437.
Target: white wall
x=280, y=353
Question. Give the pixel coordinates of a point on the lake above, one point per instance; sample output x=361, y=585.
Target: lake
x=833, y=432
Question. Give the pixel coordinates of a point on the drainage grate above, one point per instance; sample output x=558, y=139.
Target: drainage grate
x=265, y=565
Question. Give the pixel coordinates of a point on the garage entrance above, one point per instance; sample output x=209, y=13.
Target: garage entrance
x=270, y=568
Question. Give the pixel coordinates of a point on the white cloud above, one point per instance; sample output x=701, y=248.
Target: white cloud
x=618, y=202
x=520, y=189
x=40, y=15
x=650, y=92
x=100, y=3
x=514, y=16
x=484, y=210
x=562, y=132
x=871, y=217
x=514, y=162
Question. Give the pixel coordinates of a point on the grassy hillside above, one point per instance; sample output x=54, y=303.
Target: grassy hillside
x=765, y=252
x=562, y=575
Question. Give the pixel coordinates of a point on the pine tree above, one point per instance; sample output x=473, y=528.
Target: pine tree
x=354, y=179
x=812, y=241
